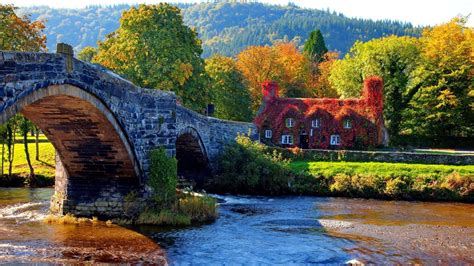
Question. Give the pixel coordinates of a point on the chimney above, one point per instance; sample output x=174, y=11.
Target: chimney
x=373, y=92
x=269, y=90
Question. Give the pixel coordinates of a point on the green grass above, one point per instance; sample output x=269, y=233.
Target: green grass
x=44, y=167
x=384, y=180
x=329, y=169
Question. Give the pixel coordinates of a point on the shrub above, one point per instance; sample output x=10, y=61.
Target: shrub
x=247, y=167
x=199, y=209
x=163, y=177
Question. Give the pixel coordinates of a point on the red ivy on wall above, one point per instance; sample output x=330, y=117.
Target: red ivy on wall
x=365, y=115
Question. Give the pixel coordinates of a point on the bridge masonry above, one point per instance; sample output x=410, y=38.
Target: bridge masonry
x=102, y=127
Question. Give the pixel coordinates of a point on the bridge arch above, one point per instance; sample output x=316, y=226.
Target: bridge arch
x=191, y=153
x=94, y=155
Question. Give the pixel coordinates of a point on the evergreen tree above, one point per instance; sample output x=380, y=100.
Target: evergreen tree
x=315, y=47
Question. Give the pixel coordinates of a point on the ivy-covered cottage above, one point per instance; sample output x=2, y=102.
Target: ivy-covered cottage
x=322, y=123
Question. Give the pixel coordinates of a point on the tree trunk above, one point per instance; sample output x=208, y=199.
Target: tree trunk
x=10, y=148
x=31, y=176
x=37, y=156
x=3, y=156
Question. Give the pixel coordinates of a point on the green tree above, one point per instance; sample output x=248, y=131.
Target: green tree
x=163, y=177
x=315, y=46
x=153, y=48
x=19, y=33
x=394, y=59
x=87, y=54
x=227, y=91
x=442, y=105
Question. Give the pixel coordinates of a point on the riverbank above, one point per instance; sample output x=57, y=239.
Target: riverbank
x=384, y=180
x=249, y=167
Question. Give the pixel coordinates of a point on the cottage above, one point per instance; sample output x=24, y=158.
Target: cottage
x=324, y=122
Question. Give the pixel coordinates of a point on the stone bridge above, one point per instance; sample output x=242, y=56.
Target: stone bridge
x=103, y=127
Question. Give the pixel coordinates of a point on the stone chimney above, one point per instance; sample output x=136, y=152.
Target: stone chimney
x=269, y=90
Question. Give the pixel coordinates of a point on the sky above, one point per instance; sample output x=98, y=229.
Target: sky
x=418, y=12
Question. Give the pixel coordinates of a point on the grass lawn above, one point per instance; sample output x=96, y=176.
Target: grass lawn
x=329, y=169
x=45, y=166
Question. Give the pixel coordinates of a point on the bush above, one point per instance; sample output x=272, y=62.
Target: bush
x=163, y=177
x=199, y=209
x=247, y=167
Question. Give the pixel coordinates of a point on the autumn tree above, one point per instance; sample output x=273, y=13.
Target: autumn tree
x=315, y=46
x=318, y=84
x=227, y=91
x=442, y=106
x=19, y=33
x=282, y=63
x=394, y=59
x=154, y=49
x=87, y=54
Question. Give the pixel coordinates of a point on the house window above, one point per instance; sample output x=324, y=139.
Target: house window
x=316, y=123
x=268, y=134
x=335, y=140
x=347, y=123
x=286, y=139
x=290, y=122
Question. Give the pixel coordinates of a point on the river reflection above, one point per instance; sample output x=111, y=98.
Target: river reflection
x=255, y=230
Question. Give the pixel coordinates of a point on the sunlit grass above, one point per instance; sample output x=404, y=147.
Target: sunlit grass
x=45, y=166
x=329, y=169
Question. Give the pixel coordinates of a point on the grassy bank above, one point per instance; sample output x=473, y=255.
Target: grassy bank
x=44, y=167
x=248, y=167
x=385, y=180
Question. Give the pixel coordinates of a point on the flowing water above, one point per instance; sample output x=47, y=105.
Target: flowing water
x=255, y=230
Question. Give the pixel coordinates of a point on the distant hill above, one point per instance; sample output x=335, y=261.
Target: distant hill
x=225, y=28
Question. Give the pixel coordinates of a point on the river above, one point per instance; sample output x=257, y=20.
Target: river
x=255, y=230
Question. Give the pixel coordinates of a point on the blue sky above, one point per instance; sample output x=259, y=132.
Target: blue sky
x=418, y=12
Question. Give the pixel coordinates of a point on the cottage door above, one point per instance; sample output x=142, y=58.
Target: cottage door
x=304, y=141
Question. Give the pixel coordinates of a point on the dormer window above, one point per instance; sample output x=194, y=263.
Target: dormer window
x=290, y=122
x=316, y=123
x=347, y=123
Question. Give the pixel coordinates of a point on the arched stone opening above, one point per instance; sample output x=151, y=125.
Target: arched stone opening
x=193, y=163
x=96, y=166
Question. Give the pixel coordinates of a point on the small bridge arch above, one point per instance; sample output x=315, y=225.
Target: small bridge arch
x=191, y=153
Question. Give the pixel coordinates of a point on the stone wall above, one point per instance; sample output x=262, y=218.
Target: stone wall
x=380, y=156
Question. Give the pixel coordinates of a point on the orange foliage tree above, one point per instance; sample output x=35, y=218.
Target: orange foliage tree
x=318, y=84
x=19, y=33
x=282, y=63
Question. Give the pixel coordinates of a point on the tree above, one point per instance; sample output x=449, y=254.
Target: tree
x=87, y=54
x=318, y=83
x=19, y=33
x=315, y=47
x=394, y=59
x=442, y=104
x=153, y=48
x=25, y=128
x=282, y=63
x=227, y=91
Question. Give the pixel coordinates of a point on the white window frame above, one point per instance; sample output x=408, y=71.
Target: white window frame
x=287, y=139
x=315, y=123
x=268, y=133
x=289, y=122
x=347, y=123
x=335, y=140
